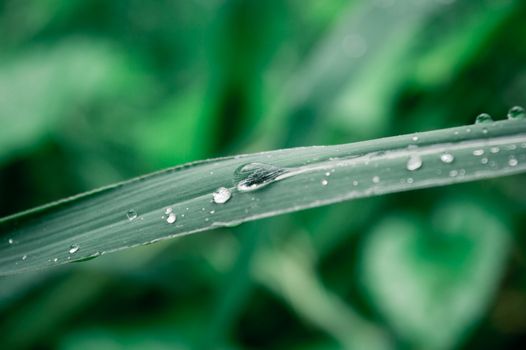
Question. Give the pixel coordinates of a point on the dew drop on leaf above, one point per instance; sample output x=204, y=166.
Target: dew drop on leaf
x=513, y=162
x=414, y=163
x=131, y=215
x=222, y=195
x=171, y=218
x=254, y=176
x=516, y=112
x=447, y=158
x=74, y=248
x=483, y=118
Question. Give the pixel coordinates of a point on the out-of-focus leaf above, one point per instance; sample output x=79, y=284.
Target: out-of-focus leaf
x=45, y=85
x=433, y=280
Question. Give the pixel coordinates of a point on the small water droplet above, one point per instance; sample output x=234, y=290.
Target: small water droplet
x=414, y=138
x=513, y=162
x=483, y=118
x=484, y=160
x=254, y=176
x=131, y=214
x=222, y=195
x=212, y=211
x=55, y=260
x=447, y=158
x=168, y=210
x=324, y=182
x=414, y=163
x=494, y=150
x=74, y=248
x=410, y=180
x=478, y=152
x=10, y=241
x=453, y=173
x=171, y=218
x=24, y=257
x=327, y=173
x=355, y=183
x=376, y=179
x=516, y=112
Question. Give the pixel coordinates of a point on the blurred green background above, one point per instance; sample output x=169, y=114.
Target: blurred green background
x=95, y=91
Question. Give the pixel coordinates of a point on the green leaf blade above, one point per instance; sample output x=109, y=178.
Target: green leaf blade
x=97, y=222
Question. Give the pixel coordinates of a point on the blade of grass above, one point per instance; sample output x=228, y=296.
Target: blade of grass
x=97, y=222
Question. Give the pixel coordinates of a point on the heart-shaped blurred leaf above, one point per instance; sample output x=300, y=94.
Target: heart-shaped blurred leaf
x=432, y=285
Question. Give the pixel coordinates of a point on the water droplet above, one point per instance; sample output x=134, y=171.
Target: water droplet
x=494, y=150
x=168, y=210
x=254, y=176
x=484, y=130
x=484, y=160
x=355, y=183
x=74, y=248
x=414, y=163
x=55, y=260
x=24, y=257
x=447, y=158
x=376, y=179
x=478, y=152
x=516, y=112
x=410, y=180
x=222, y=195
x=10, y=241
x=414, y=138
x=324, y=182
x=513, y=162
x=453, y=173
x=327, y=173
x=171, y=218
x=212, y=211
x=483, y=118
x=131, y=214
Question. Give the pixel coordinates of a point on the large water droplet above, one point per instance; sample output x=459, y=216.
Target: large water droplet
x=74, y=248
x=222, y=195
x=131, y=215
x=171, y=218
x=254, y=176
x=516, y=112
x=414, y=163
x=447, y=158
x=483, y=118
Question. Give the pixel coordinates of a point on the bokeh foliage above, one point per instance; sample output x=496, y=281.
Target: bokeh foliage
x=93, y=92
